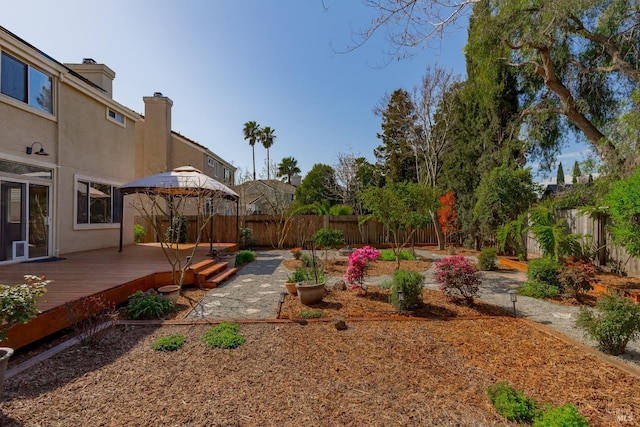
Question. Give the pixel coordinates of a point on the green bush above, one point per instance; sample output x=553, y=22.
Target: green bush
x=543, y=270
x=487, y=259
x=311, y=314
x=388, y=255
x=225, y=335
x=301, y=274
x=617, y=323
x=411, y=283
x=138, y=233
x=329, y=237
x=144, y=306
x=244, y=257
x=169, y=342
x=538, y=290
x=560, y=416
x=512, y=404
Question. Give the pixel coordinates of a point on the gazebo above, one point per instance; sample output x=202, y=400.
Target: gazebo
x=184, y=181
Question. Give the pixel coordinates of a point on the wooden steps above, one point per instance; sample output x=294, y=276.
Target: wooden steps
x=210, y=273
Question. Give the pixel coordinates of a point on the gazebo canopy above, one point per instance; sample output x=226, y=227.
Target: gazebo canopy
x=184, y=180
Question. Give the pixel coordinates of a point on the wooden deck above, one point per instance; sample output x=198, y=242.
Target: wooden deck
x=106, y=272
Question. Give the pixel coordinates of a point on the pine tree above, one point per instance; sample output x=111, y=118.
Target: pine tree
x=576, y=173
x=560, y=176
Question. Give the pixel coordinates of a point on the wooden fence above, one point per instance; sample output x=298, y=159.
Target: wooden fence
x=597, y=240
x=288, y=232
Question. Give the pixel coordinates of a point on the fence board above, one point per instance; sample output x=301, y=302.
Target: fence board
x=272, y=230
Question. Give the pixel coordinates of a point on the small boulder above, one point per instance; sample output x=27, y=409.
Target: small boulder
x=340, y=285
x=339, y=323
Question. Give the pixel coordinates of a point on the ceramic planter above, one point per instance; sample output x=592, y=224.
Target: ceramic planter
x=170, y=293
x=229, y=258
x=310, y=293
x=5, y=354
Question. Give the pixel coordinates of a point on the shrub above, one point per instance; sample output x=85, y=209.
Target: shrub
x=538, y=290
x=329, y=237
x=87, y=318
x=411, y=283
x=565, y=415
x=487, y=259
x=358, y=261
x=296, y=252
x=148, y=307
x=311, y=314
x=617, y=323
x=543, y=270
x=225, y=335
x=138, y=233
x=244, y=257
x=18, y=302
x=576, y=277
x=457, y=278
x=388, y=255
x=169, y=342
x=300, y=274
x=512, y=404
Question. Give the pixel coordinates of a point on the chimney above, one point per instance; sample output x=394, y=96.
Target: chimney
x=157, y=131
x=296, y=180
x=98, y=74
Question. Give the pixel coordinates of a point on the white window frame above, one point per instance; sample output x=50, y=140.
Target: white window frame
x=114, y=193
x=114, y=119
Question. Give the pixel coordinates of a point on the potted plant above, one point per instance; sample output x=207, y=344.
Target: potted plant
x=17, y=306
x=298, y=276
x=311, y=291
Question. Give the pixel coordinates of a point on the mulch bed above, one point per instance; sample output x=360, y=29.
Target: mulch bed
x=432, y=370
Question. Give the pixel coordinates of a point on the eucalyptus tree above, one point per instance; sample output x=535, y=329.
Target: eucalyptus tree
x=252, y=132
x=288, y=167
x=267, y=137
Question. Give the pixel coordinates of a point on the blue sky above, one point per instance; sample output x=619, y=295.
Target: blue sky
x=225, y=62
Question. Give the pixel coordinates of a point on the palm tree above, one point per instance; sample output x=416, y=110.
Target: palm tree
x=252, y=133
x=266, y=136
x=288, y=167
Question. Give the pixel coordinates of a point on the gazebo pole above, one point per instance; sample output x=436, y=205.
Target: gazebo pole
x=121, y=219
x=210, y=234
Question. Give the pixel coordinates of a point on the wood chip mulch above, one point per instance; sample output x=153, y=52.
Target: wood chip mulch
x=432, y=370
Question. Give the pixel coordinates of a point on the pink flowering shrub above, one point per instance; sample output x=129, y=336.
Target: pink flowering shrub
x=458, y=279
x=358, y=261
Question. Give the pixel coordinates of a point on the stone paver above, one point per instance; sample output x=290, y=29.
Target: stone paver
x=251, y=294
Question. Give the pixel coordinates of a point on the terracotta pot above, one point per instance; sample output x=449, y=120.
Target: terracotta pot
x=229, y=258
x=5, y=354
x=291, y=288
x=170, y=293
x=310, y=293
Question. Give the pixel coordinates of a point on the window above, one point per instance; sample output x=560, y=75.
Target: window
x=227, y=175
x=24, y=83
x=115, y=116
x=210, y=161
x=97, y=203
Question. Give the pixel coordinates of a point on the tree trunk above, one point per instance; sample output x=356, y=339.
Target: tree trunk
x=438, y=228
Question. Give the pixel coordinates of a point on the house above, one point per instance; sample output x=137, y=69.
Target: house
x=66, y=146
x=265, y=197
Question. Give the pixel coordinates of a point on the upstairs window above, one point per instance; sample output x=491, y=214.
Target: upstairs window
x=227, y=175
x=26, y=84
x=115, y=116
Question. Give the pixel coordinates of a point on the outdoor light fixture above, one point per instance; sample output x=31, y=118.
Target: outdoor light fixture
x=400, y=300
x=41, y=152
x=513, y=294
x=188, y=261
x=281, y=302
